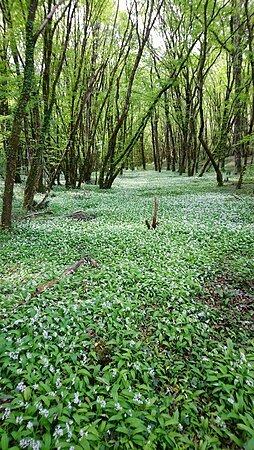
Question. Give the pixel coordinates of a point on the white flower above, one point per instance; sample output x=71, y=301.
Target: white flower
x=24, y=443
x=58, y=383
x=38, y=405
x=149, y=428
x=101, y=402
x=52, y=394
x=29, y=425
x=45, y=360
x=68, y=430
x=21, y=387
x=136, y=366
x=58, y=431
x=118, y=407
x=249, y=382
x=19, y=419
x=180, y=427
x=76, y=399
x=137, y=398
x=44, y=412
x=83, y=433
x=6, y=414
x=230, y=400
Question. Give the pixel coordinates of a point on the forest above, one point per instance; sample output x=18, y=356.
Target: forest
x=95, y=87
x=126, y=234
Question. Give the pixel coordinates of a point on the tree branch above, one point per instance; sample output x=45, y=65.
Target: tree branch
x=47, y=19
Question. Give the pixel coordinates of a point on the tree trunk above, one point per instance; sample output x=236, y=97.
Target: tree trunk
x=19, y=113
x=237, y=71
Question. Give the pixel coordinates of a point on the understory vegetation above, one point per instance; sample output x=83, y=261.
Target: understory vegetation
x=150, y=348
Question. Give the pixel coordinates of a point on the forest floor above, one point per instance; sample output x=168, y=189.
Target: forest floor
x=149, y=343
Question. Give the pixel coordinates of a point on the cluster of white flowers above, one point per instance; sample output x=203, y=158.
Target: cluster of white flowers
x=58, y=383
x=69, y=432
x=58, y=432
x=45, y=361
x=76, y=400
x=21, y=386
x=19, y=419
x=137, y=398
x=6, y=414
x=136, y=365
x=220, y=422
x=83, y=433
x=118, y=407
x=35, y=445
x=101, y=402
x=52, y=394
x=44, y=412
x=14, y=355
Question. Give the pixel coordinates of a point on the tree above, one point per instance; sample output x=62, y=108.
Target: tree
x=30, y=41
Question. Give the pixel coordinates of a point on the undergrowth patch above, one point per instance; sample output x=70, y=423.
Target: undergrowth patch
x=152, y=349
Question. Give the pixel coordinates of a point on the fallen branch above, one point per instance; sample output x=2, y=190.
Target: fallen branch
x=155, y=211
x=29, y=216
x=237, y=197
x=78, y=215
x=69, y=271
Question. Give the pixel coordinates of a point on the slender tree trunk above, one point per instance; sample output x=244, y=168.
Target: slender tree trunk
x=155, y=145
x=167, y=133
x=237, y=71
x=143, y=151
x=201, y=137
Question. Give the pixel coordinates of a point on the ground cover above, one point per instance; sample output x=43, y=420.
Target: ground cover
x=151, y=349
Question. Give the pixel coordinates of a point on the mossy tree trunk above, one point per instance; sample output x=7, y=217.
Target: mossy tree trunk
x=13, y=144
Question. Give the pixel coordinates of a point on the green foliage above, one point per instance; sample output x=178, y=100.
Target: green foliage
x=152, y=349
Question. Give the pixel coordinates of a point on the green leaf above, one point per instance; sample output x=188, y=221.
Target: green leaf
x=250, y=444
x=77, y=418
x=47, y=440
x=4, y=442
x=85, y=444
x=134, y=422
x=242, y=426
x=27, y=393
x=122, y=429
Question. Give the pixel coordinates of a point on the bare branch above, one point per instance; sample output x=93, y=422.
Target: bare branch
x=47, y=19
